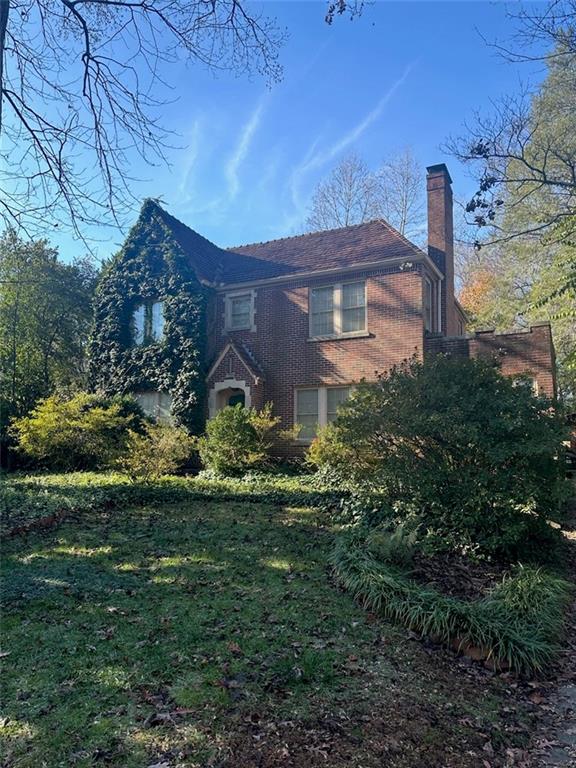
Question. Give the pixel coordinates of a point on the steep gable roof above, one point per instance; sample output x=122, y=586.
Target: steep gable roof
x=361, y=244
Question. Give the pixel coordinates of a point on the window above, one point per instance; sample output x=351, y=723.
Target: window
x=307, y=413
x=157, y=405
x=337, y=310
x=353, y=307
x=239, y=311
x=148, y=322
x=428, y=305
x=317, y=407
x=335, y=396
x=526, y=380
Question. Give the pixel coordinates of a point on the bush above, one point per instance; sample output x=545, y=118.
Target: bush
x=518, y=625
x=159, y=450
x=476, y=455
x=82, y=432
x=238, y=439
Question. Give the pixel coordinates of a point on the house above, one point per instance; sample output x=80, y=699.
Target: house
x=295, y=321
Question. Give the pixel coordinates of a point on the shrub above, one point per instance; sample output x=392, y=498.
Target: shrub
x=238, y=439
x=82, y=432
x=159, y=450
x=475, y=454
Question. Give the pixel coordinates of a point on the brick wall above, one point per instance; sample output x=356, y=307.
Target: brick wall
x=530, y=351
x=289, y=360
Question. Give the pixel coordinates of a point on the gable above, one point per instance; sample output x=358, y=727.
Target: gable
x=235, y=358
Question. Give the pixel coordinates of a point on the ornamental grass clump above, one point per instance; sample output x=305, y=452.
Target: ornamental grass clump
x=518, y=625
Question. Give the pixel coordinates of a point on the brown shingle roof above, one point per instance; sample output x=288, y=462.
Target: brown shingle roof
x=360, y=244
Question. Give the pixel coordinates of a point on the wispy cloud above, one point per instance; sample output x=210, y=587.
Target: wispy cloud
x=314, y=160
x=232, y=167
x=189, y=160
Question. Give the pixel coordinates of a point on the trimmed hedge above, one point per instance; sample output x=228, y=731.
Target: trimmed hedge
x=518, y=626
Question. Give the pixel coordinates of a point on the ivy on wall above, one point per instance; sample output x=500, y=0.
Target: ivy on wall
x=151, y=266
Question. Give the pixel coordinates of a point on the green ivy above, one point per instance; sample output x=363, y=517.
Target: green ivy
x=151, y=266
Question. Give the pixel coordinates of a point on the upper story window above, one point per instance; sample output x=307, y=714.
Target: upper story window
x=148, y=322
x=428, y=304
x=239, y=311
x=338, y=310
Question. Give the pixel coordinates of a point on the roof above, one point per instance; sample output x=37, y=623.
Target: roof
x=367, y=243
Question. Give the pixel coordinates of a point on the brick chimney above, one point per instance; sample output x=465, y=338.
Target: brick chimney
x=441, y=239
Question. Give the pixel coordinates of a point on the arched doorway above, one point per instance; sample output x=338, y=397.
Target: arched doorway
x=231, y=396
x=228, y=392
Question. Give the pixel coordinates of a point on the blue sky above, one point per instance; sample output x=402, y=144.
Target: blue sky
x=404, y=74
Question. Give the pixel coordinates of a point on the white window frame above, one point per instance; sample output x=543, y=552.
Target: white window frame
x=148, y=336
x=425, y=283
x=337, y=313
x=250, y=326
x=322, y=405
x=526, y=380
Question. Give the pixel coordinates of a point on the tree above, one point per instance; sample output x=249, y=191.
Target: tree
x=45, y=316
x=351, y=195
x=354, y=194
x=401, y=182
x=81, y=84
x=526, y=264
x=525, y=147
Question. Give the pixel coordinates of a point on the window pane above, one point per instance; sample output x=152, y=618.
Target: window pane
x=335, y=397
x=307, y=412
x=322, y=324
x=138, y=320
x=164, y=408
x=240, y=311
x=353, y=319
x=148, y=401
x=322, y=299
x=322, y=311
x=157, y=330
x=353, y=295
x=309, y=426
x=353, y=307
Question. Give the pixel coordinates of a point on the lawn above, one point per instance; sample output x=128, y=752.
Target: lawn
x=207, y=633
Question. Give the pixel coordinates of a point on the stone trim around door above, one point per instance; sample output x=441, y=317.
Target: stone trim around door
x=222, y=386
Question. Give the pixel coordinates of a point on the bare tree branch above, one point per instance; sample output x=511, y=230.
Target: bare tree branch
x=79, y=89
x=354, y=194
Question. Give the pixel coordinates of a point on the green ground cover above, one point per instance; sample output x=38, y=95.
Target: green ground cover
x=209, y=632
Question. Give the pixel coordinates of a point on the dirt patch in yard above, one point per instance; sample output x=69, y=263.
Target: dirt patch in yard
x=456, y=575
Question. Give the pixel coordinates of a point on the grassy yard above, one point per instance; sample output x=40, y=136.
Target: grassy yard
x=207, y=633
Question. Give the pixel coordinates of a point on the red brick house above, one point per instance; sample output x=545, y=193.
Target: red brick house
x=298, y=321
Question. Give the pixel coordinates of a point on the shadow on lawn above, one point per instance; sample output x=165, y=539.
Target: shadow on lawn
x=151, y=635
x=101, y=618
